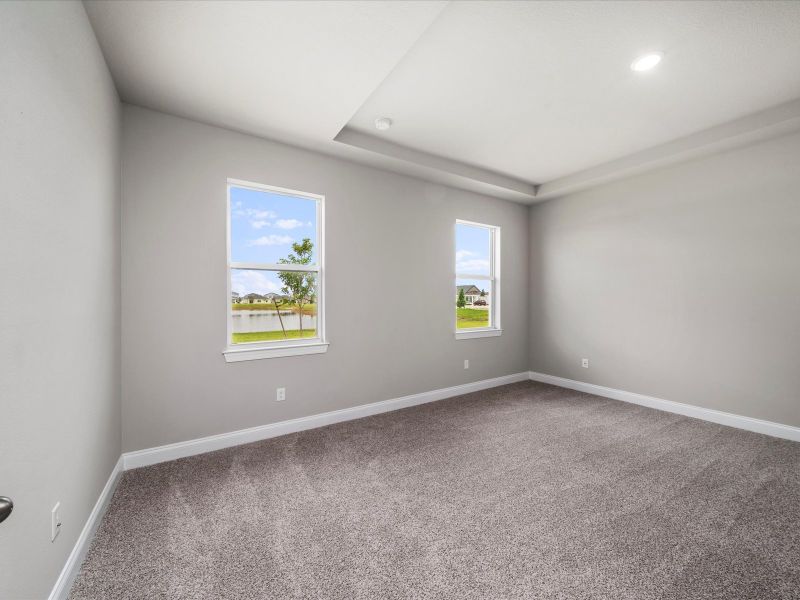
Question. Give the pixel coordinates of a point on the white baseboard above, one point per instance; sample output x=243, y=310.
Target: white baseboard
x=141, y=458
x=150, y=456
x=706, y=414
x=75, y=560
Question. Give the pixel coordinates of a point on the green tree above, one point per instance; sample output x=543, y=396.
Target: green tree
x=462, y=301
x=299, y=285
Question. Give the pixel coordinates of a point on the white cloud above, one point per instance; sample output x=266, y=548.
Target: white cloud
x=247, y=282
x=462, y=254
x=257, y=218
x=261, y=214
x=465, y=264
x=271, y=240
x=474, y=265
x=288, y=223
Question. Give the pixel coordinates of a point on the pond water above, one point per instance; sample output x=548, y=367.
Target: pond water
x=246, y=321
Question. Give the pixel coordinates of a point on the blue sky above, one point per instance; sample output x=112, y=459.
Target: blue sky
x=473, y=248
x=263, y=227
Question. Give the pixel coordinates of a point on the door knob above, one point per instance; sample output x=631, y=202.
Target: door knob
x=6, y=506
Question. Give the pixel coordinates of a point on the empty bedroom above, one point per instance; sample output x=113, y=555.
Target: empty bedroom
x=372, y=300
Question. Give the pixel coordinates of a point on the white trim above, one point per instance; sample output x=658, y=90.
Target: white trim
x=228, y=285
x=493, y=278
x=75, y=560
x=239, y=353
x=468, y=334
x=756, y=127
x=278, y=348
x=274, y=267
x=494, y=300
x=142, y=458
x=778, y=430
x=443, y=170
x=273, y=189
x=151, y=456
x=474, y=223
x=321, y=275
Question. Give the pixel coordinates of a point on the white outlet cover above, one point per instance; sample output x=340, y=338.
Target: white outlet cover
x=55, y=521
x=466, y=364
x=585, y=363
x=281, y=395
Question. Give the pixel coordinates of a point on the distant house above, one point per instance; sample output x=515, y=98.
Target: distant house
x=235, y=298
x=254, y=299
x=471, y=293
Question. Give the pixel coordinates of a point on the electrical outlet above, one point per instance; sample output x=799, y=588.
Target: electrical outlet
x=281, y=395
x=55, y=521
x=585, y=363
x=466, y=364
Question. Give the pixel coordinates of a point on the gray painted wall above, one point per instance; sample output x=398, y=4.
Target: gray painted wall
x=683, y=283
x=383, y=231
x=59, y=264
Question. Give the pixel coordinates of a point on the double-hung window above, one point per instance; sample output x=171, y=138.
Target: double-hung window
x=275, y=294
x=477, y=275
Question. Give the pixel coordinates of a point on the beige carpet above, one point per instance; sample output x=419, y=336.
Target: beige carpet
x=524, y=491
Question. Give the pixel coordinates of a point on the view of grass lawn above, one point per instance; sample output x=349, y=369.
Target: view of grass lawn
x=469, y=318
x=270, y=336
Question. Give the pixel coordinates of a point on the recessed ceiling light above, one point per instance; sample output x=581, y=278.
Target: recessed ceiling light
x=383, y=123
x=647, y=61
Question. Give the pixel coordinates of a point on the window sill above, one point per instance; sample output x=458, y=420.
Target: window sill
x=238, y=354
x=468, y=334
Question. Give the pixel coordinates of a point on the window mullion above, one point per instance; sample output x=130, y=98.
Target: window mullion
x=274, y=267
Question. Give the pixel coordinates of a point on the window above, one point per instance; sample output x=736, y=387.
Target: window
x=477, y=291
x=275, y=292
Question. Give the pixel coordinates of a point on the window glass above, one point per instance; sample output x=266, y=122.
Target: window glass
x=473, y=249
x=476, y=281
x=272, y=305
x=264, y=225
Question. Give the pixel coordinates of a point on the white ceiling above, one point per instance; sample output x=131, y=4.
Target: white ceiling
x=294, y=71
x=494, y=96
x=539, y=90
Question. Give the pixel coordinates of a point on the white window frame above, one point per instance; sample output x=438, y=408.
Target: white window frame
x=278, y=348
x=493, y=278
